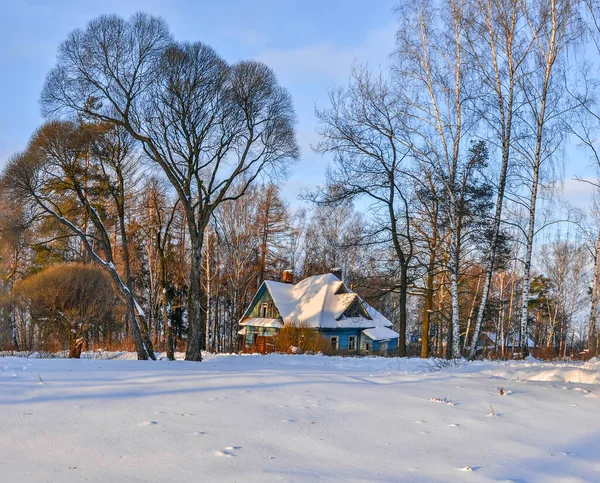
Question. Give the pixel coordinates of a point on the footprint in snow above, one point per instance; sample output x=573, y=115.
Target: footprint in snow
x=148, y=423
x=454, y=425
x=418, y=421
x=580, y=389
x=287, y=420
x=224, y=454
x=228, y=452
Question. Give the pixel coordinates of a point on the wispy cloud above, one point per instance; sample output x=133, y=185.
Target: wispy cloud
x=330, y=62
x=578, y=193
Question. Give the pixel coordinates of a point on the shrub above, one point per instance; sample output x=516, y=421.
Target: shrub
x=303, y=337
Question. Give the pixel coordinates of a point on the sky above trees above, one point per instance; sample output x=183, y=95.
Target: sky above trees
x=310, y=45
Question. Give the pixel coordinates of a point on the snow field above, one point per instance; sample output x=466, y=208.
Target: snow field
x=297, y=418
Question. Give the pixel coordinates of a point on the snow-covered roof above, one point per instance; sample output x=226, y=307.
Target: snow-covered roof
x=381, y=333
x=315, y=302
x=263, y=322
x=508, y=341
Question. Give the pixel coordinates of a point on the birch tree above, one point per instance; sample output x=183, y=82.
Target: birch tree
x=554, y=26
x=431, y=55
x=499, y=45
x=585, y=128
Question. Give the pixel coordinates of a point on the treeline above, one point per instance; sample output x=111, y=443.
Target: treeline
x=146, y=211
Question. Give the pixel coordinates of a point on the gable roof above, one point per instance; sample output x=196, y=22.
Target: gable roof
x=320, y=302
x=508, y=341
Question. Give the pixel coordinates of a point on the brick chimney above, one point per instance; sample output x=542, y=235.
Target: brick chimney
x=287, y=276
x=337, y=271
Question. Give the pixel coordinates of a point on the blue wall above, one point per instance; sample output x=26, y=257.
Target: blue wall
x=392, y=345
x=343, y=336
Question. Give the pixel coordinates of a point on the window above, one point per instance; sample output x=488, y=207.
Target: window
x=352, y=343
x=333, y=343
x=264, y=309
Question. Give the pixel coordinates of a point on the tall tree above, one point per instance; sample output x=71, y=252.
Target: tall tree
x=499, y=45
x=363, y=128
x=273, y=223
x=204, y=122
x=55, y=167
x=431, y=55
x=554, y=26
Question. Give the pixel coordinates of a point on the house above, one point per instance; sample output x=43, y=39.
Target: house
x=323, y=303
x=489, y=342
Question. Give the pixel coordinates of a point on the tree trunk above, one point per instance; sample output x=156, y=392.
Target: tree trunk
x=592, y=330
x=454, y=332
x=471, y=312
x=402, y=310
x=165, y=309
x=529, y=251
x=506, y=135
x=13, y=325
x=196, y=319
x=428, y=308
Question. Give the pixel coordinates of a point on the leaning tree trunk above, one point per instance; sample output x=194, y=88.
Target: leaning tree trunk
x=491, y=260
x=143, y=352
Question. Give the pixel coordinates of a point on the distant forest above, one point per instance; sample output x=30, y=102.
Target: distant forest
x=147, y=210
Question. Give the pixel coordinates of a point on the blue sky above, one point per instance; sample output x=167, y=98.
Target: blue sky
x=310, y=44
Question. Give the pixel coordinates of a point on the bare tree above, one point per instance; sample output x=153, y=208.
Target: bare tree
x=563, y=262
x=584, y=127
x=363, y=128
x=273, y=223
x=205, y=123
x=554, y=26
x=158, y=222
x=431, y=56
x=499, y=45
x=51, y=170
x=13, y=256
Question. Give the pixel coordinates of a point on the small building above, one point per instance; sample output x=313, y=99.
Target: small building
x=488, y=342
x=322, y=303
